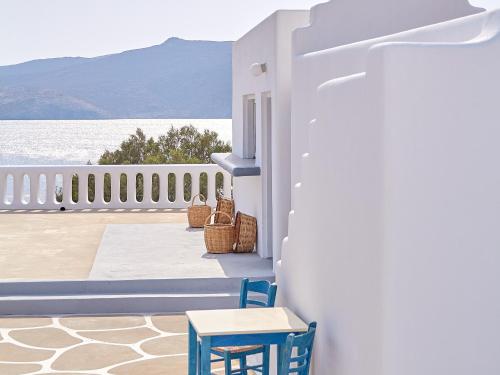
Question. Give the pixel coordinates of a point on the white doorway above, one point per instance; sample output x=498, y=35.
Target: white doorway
x=267, y=174
x=249, y=127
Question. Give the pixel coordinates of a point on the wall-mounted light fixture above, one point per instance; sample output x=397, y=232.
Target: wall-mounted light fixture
x=257, y=69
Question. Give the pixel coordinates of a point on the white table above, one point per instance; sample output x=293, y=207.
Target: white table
x=235, y=327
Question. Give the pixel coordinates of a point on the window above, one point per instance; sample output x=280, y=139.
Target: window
x=249, y=127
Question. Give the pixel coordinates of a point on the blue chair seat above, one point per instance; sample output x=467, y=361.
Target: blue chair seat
x=236, y=349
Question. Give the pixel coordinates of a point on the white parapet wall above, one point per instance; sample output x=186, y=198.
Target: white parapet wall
x=51, y=187
x=338, y=40
x=393, y=239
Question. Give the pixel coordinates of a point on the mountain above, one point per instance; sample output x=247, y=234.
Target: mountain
x=176, y=79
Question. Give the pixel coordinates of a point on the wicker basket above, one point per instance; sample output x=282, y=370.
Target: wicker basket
x=197, y=214
x=226, y=206
x=245, y=233
x=219, y=238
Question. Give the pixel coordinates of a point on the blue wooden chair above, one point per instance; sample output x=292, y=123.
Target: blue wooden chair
x=298, y=361
x=263, y=295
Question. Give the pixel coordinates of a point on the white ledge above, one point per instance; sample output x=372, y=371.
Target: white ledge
x=235, y=165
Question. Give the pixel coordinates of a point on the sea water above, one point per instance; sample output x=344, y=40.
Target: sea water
x=73, y=142
x=60, y=142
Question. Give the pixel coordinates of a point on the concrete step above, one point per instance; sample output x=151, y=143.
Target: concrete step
x=117, y=296
x=72, y=287
x=114, y=303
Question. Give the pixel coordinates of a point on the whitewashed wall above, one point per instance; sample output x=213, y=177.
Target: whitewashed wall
x=392, y=243
x=269, y=43
x=312, y=69
x=442, y=206
x=342, y=22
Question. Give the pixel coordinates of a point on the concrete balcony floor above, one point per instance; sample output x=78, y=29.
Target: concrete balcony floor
x=116, y=345
x=112, y=244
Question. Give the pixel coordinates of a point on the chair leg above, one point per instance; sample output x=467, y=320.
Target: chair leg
x=198, y=356
x=265, y=360
x=243, y=365
x=227, y=363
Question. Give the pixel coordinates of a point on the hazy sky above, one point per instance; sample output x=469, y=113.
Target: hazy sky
x=32, y=29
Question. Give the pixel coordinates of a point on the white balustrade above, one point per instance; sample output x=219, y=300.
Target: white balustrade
x=52, y=187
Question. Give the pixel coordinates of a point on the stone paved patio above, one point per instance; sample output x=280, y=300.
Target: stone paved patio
x=113, y=244
x=91, y=345
x=62, y=245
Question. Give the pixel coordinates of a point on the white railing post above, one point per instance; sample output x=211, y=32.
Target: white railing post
x=3, y=188
x=83, y=189
x=34, y=186
x=179, y=189
x=195, y=183
x=67, y=189
x=211, y=199
x=131, y=189
x=99, y=190
x=50, y=199
x=115, y=189
x=17, y=189
x=163, y=198
x=227, y=184
x=147, y=185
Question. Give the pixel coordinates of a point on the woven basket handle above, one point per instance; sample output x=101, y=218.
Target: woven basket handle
x=202, y=199
x=217, y=212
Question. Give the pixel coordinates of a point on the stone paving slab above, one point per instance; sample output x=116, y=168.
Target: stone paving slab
x=88, y=345
x=94, y=345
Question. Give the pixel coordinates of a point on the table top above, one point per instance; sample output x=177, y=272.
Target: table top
x=245, y=321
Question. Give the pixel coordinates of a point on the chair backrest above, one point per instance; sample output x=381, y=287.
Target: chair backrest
x=298, y=361
x=263, y=287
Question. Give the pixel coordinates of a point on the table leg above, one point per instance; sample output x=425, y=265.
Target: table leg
x=265, y=360
x=205, y=355
x=192, y=350
x=279, y=356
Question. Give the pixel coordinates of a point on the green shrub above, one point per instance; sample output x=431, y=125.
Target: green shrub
x=186, y=145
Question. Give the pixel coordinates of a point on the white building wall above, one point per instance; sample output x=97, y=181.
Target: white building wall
x=442, y=206
x=269, y=43
x=329, y=48
x=331, y=261
x=342, y=22
x=257, y=46
x=392, y=235
x=281, y=144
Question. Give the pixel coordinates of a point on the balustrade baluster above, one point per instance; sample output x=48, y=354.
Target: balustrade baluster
x=83, y=190
x=34, y=188
x=131, y=189
x=99, y=190
x=195, y=183
x=227, y=184
x=50, y=199
x=67, y=189
x=212, y=200
x=179, y=189
x=18, y=189
x=163, y=189
x=3, y=189
x=115, y=189
x=147, y=188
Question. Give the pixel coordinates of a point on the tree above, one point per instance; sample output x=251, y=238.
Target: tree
x=186, y=145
